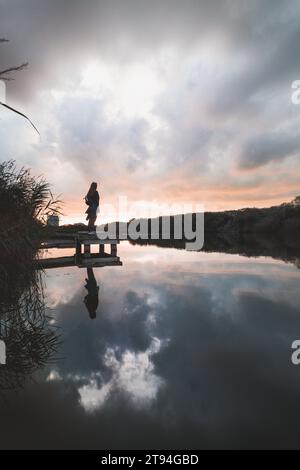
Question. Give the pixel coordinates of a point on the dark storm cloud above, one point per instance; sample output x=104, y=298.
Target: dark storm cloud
x=57, y=35
x=276, y=63
x=266, y=148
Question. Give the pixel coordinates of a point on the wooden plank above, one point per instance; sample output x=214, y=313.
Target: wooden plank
x=60, y=243
x=98, y=241
x=63, y=261
x=69, y=261
x=113, y=261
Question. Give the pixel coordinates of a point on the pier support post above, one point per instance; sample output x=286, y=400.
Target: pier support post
x=78, y=247
x=113, y=249
x=87, y=249
x=78, y=250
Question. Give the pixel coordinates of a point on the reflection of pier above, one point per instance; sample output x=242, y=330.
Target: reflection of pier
x=83, y=258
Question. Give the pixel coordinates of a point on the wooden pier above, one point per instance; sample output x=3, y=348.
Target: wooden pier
x=83, y=258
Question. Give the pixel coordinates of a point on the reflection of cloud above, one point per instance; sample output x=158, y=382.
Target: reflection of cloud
x=93, y=397
x=53, y=375
x=132, y=374
x=219, y=373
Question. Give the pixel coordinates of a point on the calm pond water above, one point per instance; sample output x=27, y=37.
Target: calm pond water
x=187, y=350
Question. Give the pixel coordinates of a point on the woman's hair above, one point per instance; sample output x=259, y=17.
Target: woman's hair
x=92, y=189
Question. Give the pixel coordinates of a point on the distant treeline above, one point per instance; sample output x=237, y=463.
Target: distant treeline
x=282, y=221
x=273, y=232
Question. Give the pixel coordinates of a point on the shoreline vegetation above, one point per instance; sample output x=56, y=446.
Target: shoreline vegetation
x=31, y=342
x=25, y=203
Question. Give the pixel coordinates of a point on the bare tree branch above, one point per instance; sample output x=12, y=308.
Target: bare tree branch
x=12, y=69
x=3, y=76
x=21, y=114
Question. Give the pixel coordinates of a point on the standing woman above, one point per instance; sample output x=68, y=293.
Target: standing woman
x=92, y=200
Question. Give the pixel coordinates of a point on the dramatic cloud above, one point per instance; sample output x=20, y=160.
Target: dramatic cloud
x=165, y=99
x=266, y=148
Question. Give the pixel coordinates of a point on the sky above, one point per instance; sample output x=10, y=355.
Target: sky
x=166, y=101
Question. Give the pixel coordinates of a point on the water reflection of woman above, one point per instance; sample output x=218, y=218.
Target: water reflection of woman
x=92, y=298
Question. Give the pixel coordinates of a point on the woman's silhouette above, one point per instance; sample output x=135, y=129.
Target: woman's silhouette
x=92, y=200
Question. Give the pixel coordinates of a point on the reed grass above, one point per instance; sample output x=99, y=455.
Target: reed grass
x=31, y=341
